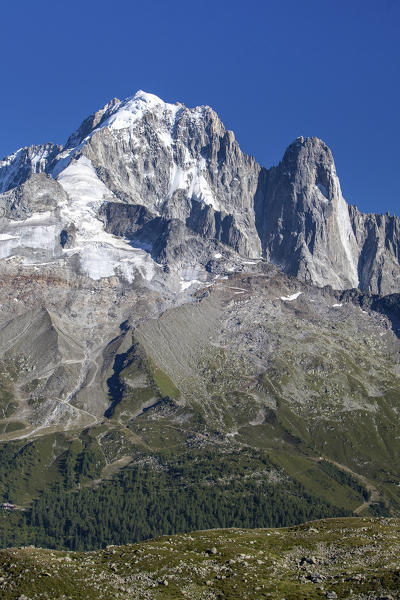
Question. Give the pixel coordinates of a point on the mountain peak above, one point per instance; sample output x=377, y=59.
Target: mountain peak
x=118, y=114
x=309, y=147
x=147, y=97
x=180, y=163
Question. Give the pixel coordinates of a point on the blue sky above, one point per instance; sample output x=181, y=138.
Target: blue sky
x=273, y=70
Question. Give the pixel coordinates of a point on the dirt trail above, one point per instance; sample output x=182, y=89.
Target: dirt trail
x=374, y=493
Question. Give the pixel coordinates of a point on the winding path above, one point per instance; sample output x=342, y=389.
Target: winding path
x=374, y=493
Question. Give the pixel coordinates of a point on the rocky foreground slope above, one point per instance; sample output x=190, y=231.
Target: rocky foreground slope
x=334, y=559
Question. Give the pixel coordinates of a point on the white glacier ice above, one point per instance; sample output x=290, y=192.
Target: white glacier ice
x=101, y=254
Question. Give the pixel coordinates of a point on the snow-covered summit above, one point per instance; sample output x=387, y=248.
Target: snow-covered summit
x=122, y=114
x=117, y=116
x=140, y=128
x=130, y=111
x=144, y=152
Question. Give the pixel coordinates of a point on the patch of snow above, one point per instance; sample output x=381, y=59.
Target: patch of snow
x=166, y=138
x=86, y=194
x=187, y=284
x=36, y=218
x=201, y=190
x=96, y=262
x=26, y=263
x=178, y=179
x=217, y=255
x=7, y=236
x=38, y=232
x=232, y=434
x=291, y=298
x=63, y=160
x=192, y=181
x=238, y=289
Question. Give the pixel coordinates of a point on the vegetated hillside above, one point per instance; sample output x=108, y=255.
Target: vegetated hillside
x=334, y=559
x=264, y=402
x=169, y=493
x=266, y=362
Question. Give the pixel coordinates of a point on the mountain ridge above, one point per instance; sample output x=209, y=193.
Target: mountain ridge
x=182, y=165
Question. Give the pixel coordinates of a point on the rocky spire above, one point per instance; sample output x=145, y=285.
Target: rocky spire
x=303, y=220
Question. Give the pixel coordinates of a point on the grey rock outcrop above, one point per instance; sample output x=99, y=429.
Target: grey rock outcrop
x=175, y=158
x=38, y=194
x=90, y=123
x=125, y=220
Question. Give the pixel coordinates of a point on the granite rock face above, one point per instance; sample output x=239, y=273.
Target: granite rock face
x=303, y=220
x=307, y=228
x=378, y=240
x=181, y=164
x=156, y=175
x=38, y=194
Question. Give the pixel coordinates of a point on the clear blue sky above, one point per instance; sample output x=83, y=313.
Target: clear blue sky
x=272, y=69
